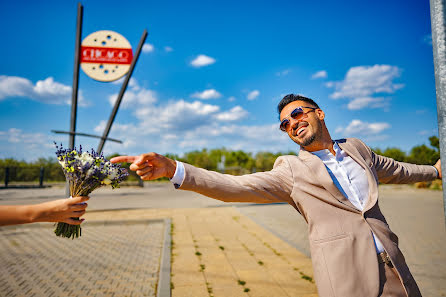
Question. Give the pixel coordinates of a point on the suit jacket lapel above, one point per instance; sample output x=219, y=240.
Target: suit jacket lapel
x=321, y=174
x=373, y=186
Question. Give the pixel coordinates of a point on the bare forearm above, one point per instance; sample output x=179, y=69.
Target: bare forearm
x=18, y=214
x=61, y=210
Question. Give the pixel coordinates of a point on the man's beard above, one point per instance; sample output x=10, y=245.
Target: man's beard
x=313, y=137
x=309, y=140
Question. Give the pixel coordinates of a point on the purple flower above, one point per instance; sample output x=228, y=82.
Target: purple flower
x=85, y=172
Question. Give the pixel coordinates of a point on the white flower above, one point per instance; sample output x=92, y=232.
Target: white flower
x=90, y=171
x=114, y=173
x=85, y=158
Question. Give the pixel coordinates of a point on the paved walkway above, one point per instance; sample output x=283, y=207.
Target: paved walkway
x=232, y=244
x=415, y=215
x=114, y=259
x=219, y=252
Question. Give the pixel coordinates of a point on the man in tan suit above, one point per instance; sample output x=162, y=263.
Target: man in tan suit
x=334, y=186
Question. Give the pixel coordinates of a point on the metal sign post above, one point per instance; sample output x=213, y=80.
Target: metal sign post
x=438, y=22
x=104, y=56
x=76, y=75
x=121, y=93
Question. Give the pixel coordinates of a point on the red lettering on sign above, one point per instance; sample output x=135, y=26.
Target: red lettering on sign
x=106, y=55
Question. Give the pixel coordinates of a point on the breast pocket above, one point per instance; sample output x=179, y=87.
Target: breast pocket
x=328, y=239
x=327, y=230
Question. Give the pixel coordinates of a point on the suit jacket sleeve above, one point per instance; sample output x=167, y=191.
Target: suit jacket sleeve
x=393, y=172
x=263, y=187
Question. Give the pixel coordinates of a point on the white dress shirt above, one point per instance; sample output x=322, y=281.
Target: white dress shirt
x=348, y=176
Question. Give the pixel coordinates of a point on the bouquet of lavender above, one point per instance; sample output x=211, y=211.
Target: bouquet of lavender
x=85, y=172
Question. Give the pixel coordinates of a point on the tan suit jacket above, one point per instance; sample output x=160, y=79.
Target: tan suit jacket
x=342, y=247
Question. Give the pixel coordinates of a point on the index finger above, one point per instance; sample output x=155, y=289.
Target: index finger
x=140, y=160
x=124, y=159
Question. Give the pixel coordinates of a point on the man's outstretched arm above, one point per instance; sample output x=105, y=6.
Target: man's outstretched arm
x=262, y=187
x=391, y=171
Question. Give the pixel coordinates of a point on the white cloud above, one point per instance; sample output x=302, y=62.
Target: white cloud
x=234, y=114
x=362, y=81
x=133, y=83
x=207, y=94
x=202, y=60
x=138, y=97
x=320, y=74
x=421, y=111
x=176, y=116
x=210, y=134
x=372, y=102
x=231, y=99
x=240, y=137
x=135, y=96
x=46, y=91
x=168, y=49
x=253, y=95
x=283, y=72
x=357, y=127
x=178, y=126
x=428, y=132
x=13, y=86
x=148, y=48
x=428, y=39
x=17, y=144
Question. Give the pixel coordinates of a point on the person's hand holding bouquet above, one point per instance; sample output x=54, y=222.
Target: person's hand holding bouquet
x=85, y=172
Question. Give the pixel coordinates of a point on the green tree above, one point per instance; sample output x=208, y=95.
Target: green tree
x=423, y=155
x=200, y=159
x=239, y=160
x=435, y=142
x=264, y=161
x=378, y=151
x=395, y=153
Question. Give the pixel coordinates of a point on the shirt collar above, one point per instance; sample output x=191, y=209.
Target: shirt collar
x=325, y=153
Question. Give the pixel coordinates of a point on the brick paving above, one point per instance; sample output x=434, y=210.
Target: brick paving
x=415, y=215
x=117, y=259
x=217, y=252
x=201, y=224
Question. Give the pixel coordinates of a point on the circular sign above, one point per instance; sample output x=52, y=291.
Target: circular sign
x=106, y=55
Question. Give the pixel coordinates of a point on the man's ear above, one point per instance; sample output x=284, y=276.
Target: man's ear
x=320, y=114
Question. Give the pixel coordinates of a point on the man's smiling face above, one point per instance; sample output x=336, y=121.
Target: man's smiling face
x=306, y=130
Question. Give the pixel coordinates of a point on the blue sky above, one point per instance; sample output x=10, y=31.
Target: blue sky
x=212, y=72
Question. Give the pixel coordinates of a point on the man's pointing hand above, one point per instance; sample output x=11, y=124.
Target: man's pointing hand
x=149, y=166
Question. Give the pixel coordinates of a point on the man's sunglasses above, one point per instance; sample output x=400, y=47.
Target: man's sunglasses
x=296, y=114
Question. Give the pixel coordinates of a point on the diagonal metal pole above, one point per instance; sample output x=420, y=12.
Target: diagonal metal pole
x=121, y=92
x=76, y=75
x=438, y=22
x=75, y=87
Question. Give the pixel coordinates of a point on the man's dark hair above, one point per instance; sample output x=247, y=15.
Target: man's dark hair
x=290, y=98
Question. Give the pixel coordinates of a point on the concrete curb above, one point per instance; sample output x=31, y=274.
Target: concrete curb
x=85, y=224
x=163, y=288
